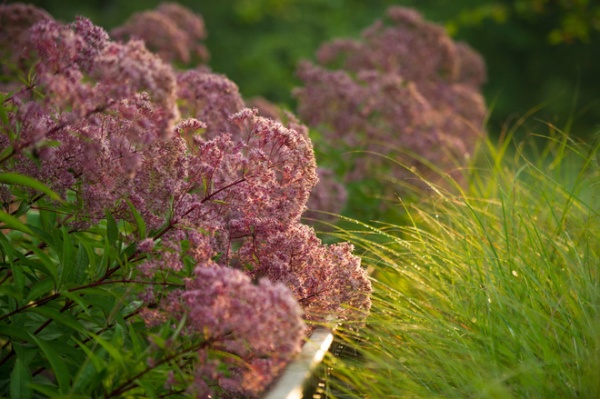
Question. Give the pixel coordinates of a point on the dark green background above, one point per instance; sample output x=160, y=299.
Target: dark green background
x=257, y=43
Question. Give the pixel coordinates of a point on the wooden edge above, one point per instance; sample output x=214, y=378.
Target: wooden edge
x=291, y=383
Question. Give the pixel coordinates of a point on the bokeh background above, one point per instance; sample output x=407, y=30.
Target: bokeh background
x=543, y=56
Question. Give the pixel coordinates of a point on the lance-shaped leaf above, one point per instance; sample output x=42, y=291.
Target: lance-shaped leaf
x=17, y=179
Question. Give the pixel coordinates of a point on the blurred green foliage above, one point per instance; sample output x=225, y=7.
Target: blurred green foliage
x=538, y=52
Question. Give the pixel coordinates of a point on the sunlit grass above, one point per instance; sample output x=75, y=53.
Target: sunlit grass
x=490, y=293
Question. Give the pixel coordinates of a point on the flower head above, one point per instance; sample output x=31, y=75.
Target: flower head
x=406, y=91
x=171, y=31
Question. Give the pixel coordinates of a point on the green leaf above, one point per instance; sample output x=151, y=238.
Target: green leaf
x=39, y=288
x=148, y=387
x=20, y=381
x=12, y=223
x=44, y=236
x=3, y=110
x=26, y=352
x=7, y=152
x=11, y=291
x=87, y=380
x=99, y=291
x=82, y=262
x=60, y=318
x=91, y=373
x=34, y=266
x=112, y=231
x=137, y=341
x=15, y=333
x=220, y=202
x=116, y=353
x=22, y=209
x=96, y=360
x=17, y=179
x=7, y=248
x=48, y=220
x=49, y=391
x=139, y=221
x=47, y=261
x=61, y=372
x=129, y=251
x=18, y=278
x=78, y=299
x=66, y=269
x=92, y=268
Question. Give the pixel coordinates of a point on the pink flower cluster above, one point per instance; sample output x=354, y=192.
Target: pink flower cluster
x=258, y=325
x=15, y=20
x=92, y=109
x=405, y=91
x=327, y=280
x=171, y=31
x=328, y=197
x=220, y=189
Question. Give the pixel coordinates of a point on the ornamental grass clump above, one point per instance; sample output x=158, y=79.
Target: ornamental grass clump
x=403, y=102
x=493, y=293
x=150, y=235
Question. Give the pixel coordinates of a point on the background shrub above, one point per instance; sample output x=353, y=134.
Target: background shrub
x=537, y=52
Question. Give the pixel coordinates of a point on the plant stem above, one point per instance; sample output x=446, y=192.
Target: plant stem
x=130, y=383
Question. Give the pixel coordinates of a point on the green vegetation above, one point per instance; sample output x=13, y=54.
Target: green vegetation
x=492, y=293
x=489, y=289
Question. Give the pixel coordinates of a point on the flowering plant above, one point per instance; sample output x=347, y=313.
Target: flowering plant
x=150, y=241
x=404, y=93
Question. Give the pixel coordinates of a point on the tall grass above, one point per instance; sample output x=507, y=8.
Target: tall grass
x=491, y=293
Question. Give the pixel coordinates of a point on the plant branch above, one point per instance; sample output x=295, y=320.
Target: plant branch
x=130, y=383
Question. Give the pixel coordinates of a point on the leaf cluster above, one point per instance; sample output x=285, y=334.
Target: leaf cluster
x=69, y=304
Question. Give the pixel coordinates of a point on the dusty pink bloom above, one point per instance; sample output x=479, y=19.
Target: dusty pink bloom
x=265, y=176
x=219, y=188
x=161, y=179
x=259, y=324
x=109, y=159
x=15, y=49
x=153, y=317
x=148, y=296
x=16, y=18
x=171, y=31
x=329, y=195
x=472, y=71
x=79, y=68
x=265, y=107
x=146, y=245
x=328, y=281
x=102, y=105
x=211, y=98
x=327, y=198
x=127, y=69
x=409, y=46
x=404, y=93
